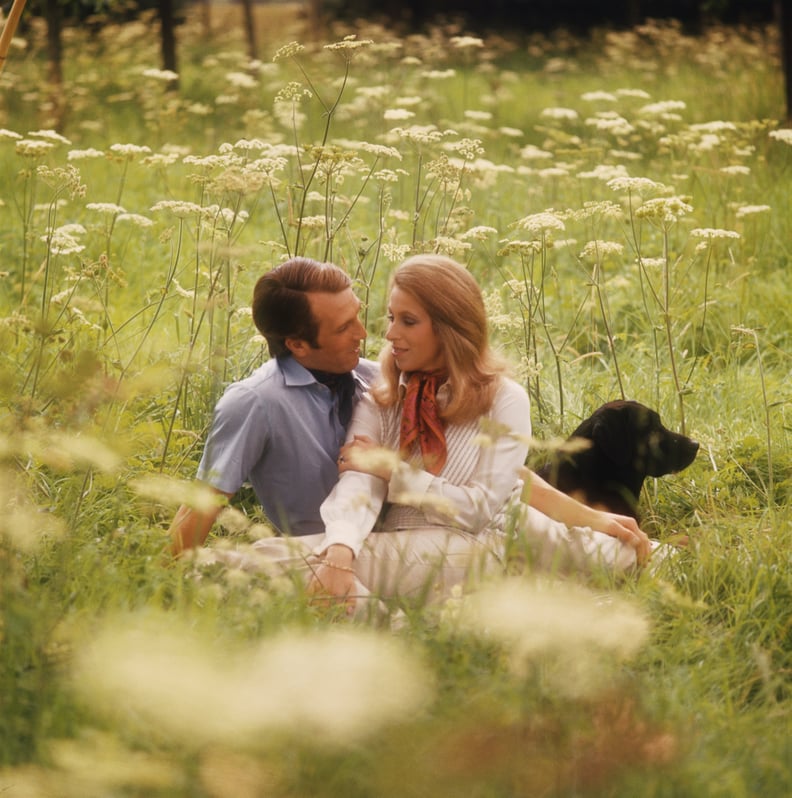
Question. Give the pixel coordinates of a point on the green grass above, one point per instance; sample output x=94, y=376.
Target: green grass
x=123, y=674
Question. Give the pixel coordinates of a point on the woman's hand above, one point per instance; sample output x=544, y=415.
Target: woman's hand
x=333, y=579
x=626, y=529
x=364, y=455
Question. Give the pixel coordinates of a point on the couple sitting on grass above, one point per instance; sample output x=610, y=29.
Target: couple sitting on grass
x=398, y=481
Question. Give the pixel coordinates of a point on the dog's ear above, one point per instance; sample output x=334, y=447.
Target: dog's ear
x=610, y=432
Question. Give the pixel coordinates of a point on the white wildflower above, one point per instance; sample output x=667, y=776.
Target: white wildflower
x=164, y=75
x=712, y=234
x=156, y=672
x=397, y=114
x=478, y=116
x=439, y=74
x=598, y=96
x=662, y=108
x=596, y=251
x=105, y=208
x=540, y=223
x=714, y=127
x=530, y=152
x=81, y=155
x=574, y=628
x=637, y=185
x=33, y=148
x=135, y=218
x=752, y=210
x=479, y=233
x=639, y=94
x=288, y=51
x=241, y=80
x=179, y=208
x=130, y=150
x=510, y=132
x=784, y=134
x=466, y=42
x=664, y=210
x=49, y=135
x=605, y=172
x=735, y=169
x=614, y=124
x=565, y=114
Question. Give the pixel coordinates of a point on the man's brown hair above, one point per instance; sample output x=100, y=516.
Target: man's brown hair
x=280, y=303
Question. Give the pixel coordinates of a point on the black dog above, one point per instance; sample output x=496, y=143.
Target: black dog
x=621, y=444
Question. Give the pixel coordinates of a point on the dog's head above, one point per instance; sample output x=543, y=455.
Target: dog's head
x=632, y=436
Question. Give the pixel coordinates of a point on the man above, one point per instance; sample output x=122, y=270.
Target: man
x=282, y=427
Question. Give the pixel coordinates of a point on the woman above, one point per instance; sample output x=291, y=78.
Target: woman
x=461, y=431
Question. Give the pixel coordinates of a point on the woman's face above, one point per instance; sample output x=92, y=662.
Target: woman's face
x=411, y=334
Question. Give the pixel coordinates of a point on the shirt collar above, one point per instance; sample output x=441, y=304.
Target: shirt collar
x=296, y=375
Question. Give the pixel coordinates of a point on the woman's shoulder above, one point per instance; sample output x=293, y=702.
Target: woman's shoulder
x=512, y=399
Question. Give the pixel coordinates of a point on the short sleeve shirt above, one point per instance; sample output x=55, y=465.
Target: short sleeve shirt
x=279, y=430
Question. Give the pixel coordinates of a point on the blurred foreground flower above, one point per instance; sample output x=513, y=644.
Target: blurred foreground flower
x=336, y=686
x=580, y=632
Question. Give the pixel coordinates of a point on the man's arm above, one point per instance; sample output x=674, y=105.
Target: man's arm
x=190, y=526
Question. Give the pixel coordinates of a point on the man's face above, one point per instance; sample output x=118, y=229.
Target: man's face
x=340, y=333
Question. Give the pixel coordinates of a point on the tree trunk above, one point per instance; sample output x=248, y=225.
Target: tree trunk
x=783, y=10
x=55, y=60
x=168, y=37
x=250, y=29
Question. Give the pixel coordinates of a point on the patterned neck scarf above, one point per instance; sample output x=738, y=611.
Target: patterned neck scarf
x=421, y=420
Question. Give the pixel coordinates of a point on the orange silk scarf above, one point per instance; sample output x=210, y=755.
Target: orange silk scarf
x=421, y=420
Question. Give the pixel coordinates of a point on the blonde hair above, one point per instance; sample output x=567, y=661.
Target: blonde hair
x=452, y=298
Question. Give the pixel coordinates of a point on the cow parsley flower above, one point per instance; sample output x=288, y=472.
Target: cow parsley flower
x=751, y=210
x=135, y=218
x=466, y=42
x=598, y=96
x=596, y=251
x=662, y=108
x=130, y=151
x=33, y=148
x=563, y=114
x=49, y=135
x=784, y=134
x=106, y=208
x=540, y=223
x=288, y=51
x=397, y=114
x=637, y=185
x=81, y=155
x=664, y=210
x=531, y=152
x=712, y=234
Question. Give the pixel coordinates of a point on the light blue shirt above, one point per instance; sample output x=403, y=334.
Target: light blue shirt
x=279, y=430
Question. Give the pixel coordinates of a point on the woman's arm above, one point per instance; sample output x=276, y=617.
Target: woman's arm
x=350, y=511
x=559, y=506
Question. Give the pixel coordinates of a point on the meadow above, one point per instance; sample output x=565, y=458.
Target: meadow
x=624, y=200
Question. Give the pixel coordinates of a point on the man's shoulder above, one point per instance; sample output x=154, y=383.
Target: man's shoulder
x=266, y=379
x=366, y=371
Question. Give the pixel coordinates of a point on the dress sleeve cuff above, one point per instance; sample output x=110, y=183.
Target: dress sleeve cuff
x=340, y=532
